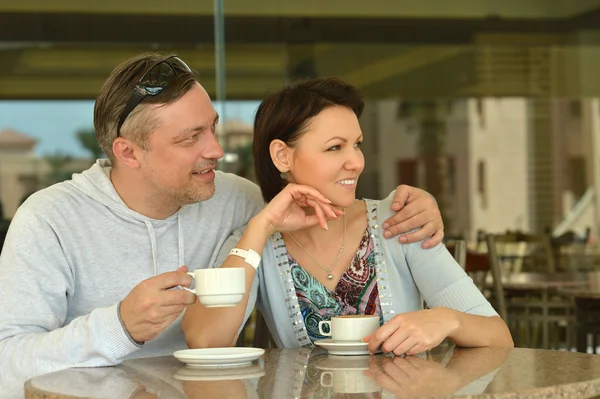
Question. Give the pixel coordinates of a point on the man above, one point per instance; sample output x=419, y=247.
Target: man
x=89, y=265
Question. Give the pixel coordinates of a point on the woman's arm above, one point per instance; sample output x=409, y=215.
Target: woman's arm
x=205, y=327
x=415, y=332
x=218, y=327
x=473, y=330
x=458, y=310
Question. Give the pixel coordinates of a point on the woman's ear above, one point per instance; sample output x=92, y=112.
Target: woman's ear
x=280, y=155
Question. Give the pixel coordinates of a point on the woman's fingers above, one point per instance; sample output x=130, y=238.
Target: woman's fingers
x=394, y=340
x=418, y=348
x=319, y=213
x=308, y=191
x=306, y=196
x=302, y=194
x=405, y=346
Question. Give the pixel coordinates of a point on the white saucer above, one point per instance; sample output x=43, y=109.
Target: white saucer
x=218, y=374
x=219, y=357
x=344, y=348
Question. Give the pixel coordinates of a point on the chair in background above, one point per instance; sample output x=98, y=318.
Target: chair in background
x=256, y=332
x=516, y=252
x=262, y=335
x=458, y=248
x=524, y=263
x=570, y=253
x=487, y=277
x=460, y=253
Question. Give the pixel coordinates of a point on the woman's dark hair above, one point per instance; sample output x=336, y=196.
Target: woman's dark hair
x=285, y=115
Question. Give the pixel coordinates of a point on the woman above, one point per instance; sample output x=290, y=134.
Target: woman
x=323, y=252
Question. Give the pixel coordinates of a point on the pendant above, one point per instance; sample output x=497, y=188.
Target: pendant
x=329, y=276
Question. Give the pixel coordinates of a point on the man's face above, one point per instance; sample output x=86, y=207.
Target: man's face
x=183, y=152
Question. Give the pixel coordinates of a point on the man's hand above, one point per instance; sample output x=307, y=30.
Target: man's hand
x=416, y=208
x=152, y=305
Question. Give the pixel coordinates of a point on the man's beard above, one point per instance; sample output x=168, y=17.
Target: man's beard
x=171, y=197
x=191, y=194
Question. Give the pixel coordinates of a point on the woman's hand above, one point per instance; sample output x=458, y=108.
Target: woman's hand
x=414, y=332
x=412, y=376
x=297, y=207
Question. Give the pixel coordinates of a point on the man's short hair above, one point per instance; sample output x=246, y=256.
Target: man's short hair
x=117, y=90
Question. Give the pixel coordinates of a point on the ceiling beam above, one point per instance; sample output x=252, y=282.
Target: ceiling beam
x=87, y=87
x=191, y=30
x=316, y=8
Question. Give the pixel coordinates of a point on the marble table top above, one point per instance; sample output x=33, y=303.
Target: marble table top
x=445, y=372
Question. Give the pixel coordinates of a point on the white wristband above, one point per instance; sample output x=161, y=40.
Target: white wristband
x=250, y=256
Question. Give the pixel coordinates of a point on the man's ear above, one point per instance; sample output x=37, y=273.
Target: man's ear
x=126, y=152
x=281, y=155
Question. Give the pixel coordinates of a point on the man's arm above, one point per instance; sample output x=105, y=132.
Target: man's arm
x=36, y=281
x=415, y=208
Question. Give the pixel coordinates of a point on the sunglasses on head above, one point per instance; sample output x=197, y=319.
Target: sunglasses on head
x=152, y=83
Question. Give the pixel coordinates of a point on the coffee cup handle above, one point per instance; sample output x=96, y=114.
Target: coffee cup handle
x=189, y=289
x=321, y=323
x=323, y=384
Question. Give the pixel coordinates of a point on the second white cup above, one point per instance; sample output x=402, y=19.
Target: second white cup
x=350, y=328
x=349, y=381
x=219, y=287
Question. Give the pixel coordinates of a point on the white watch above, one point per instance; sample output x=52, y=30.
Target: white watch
x=250, y=256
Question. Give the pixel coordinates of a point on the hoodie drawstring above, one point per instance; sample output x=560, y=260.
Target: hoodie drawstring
x=180, y=254
x=180, y=241
x=152, y=244
x=95, y=183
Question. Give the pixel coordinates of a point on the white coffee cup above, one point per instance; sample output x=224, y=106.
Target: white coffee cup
x=219, y=287
x=349, y=381
x=350, y=328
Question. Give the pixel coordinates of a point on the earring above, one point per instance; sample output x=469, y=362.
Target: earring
x=283, y=175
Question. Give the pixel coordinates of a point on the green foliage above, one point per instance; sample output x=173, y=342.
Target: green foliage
x=87, y=139
x=246, y=161
x=58, y=167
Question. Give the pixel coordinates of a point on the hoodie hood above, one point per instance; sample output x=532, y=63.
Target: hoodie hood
x=95, y=183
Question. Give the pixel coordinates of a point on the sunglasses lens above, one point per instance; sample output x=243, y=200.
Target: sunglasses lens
x=152, y=83
x=159, y=76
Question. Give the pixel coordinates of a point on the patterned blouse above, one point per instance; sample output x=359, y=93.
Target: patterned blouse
x=355, y=293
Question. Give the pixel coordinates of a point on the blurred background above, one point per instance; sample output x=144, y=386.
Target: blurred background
x=490, y=105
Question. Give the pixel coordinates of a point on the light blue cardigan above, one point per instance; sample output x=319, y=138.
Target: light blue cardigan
x=407, y=275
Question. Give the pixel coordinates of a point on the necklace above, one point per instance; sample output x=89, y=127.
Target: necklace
x=329, y=275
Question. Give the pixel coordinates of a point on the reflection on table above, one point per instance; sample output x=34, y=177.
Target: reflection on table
x=311, y=373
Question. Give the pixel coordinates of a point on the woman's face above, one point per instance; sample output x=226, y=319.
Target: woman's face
x=328, y=155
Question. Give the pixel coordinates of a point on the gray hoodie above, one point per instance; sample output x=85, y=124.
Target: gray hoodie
x=75, y=250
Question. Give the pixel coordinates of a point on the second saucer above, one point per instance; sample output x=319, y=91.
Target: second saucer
x=344, y=348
